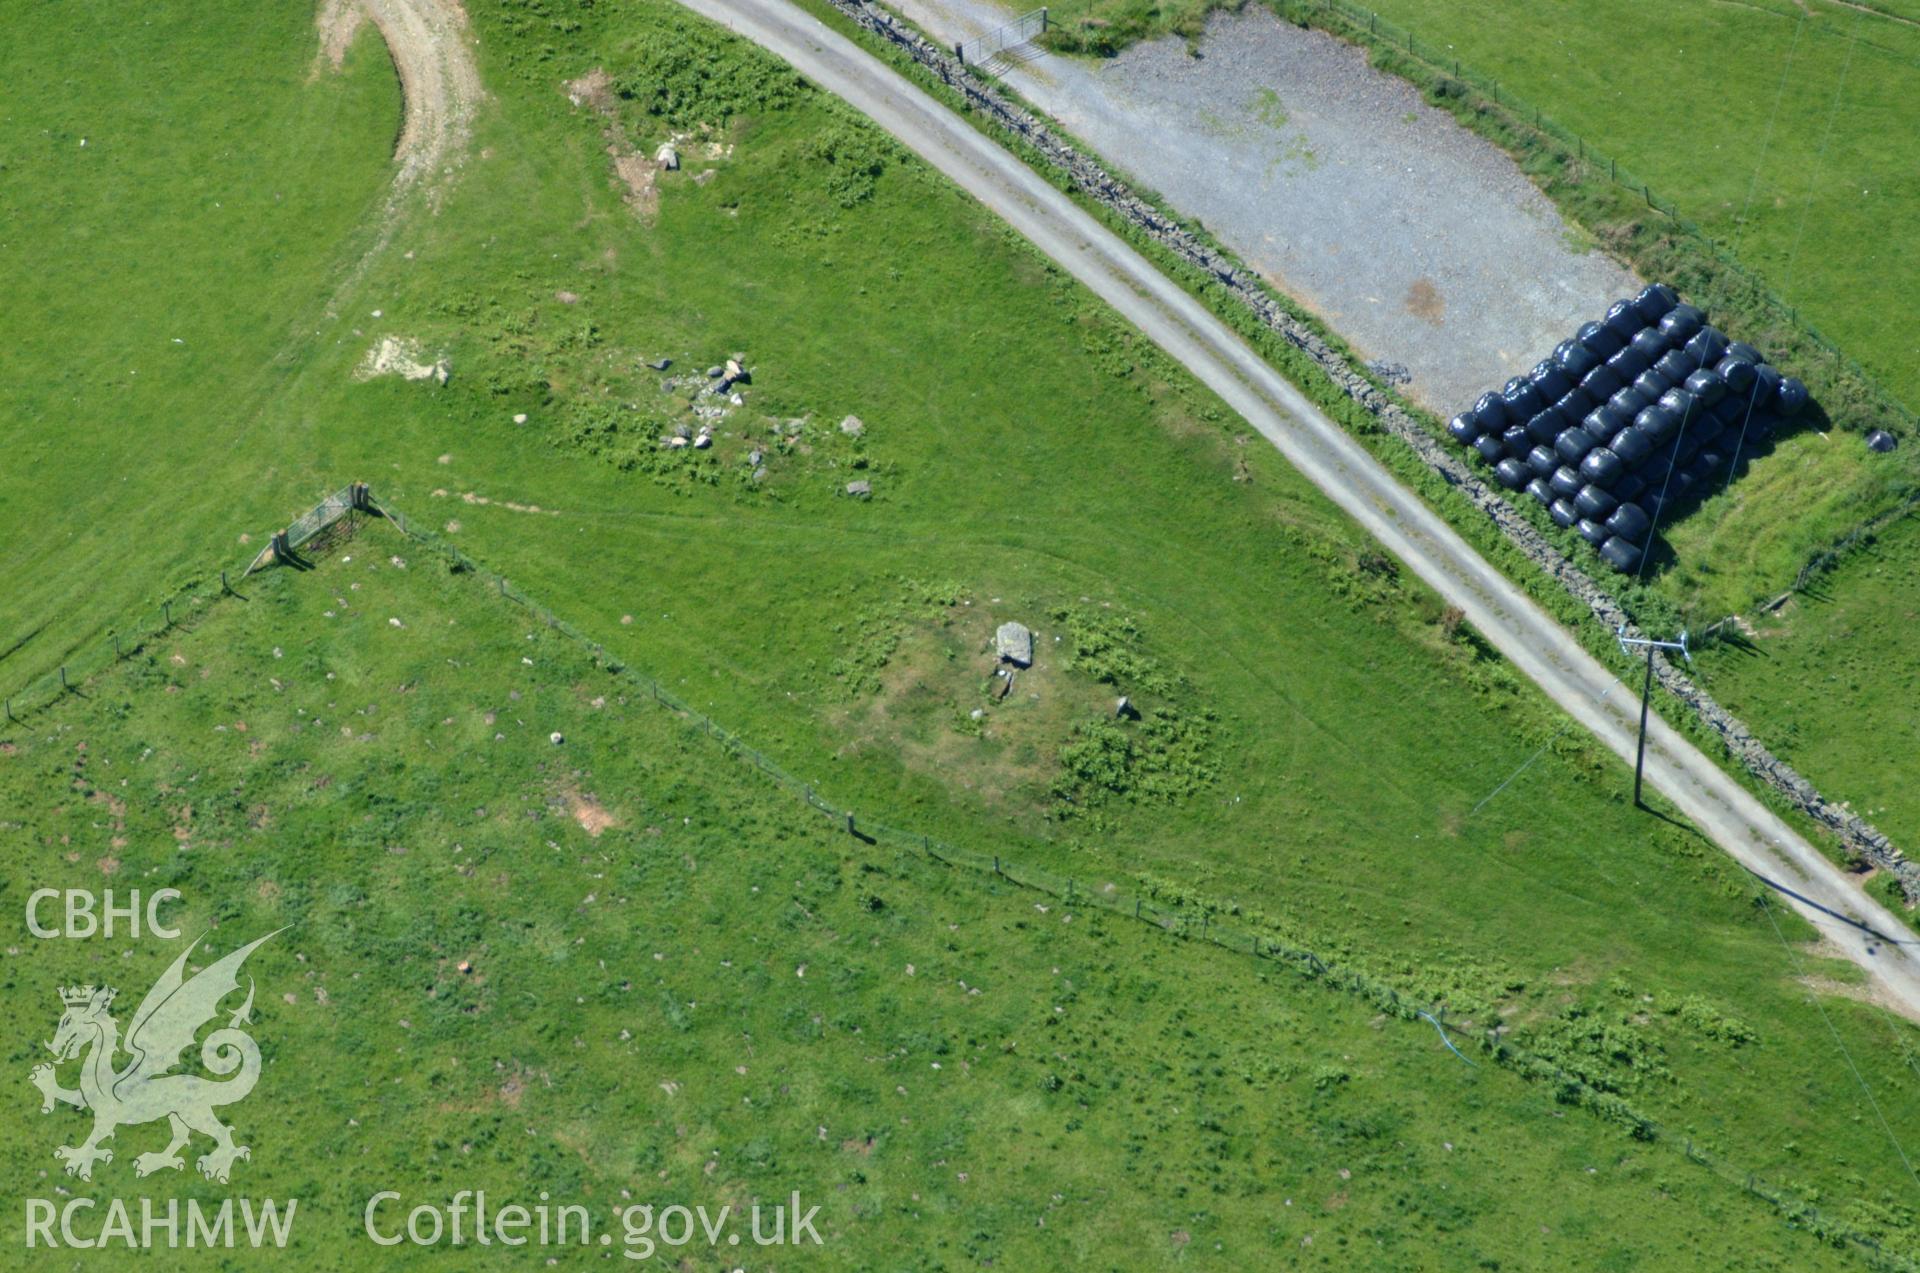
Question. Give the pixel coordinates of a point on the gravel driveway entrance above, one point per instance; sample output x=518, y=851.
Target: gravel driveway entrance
x=1415, y=240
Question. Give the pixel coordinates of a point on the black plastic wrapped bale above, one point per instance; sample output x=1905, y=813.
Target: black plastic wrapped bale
x=1566, y=481
x=1652, y=383
x=1629, y=487
x=1518, y=443
x=1491, y=448
x=1597, y=340
x=1881, y=441
x=1628, y=363
x=1563, y=513
x=1767, y=386
x=1647, y=342
x=1706, y=386
x=1602, y=467
x=1550, y=381
x=1744, y=352
x=1709, y=462
x=1540, y=491
x=1511, y=473
x=1591, y=531
x=1676, y=366
x=1707, y=347
x=1592, y=502
x=1542, y=461
x=1655, y=301
x=1546, y=426
x=1631, y=445
x=1575, y=358
x=1623, y=320
x=1632, y=401
x=1729, y=412
x=1658, y=422
x=1681, y=403
x=1678, y=485
x=1678, y=324
x=1654, y=501
x=1621, y=555
x=1630, y=522
x=1602, y=382
x=1738, y=375
x=1491, y=412
x=1604, y=421
x=1790, y=399
x=1464, y=429
x=1572, y=445
x=1576, y=402
x=1523, y=399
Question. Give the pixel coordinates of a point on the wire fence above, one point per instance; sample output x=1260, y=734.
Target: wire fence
x=1180, y=920
x=1191, y=922
x=134, y=633
x=1487, y=92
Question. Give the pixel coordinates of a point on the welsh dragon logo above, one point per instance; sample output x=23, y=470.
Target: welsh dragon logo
x=146, y=1090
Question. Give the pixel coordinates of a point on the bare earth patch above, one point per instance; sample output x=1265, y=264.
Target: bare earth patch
x=585, y=808
x=398, y=356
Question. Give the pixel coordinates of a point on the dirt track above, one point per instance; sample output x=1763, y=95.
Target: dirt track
x=1533, y=640
x=432, y=50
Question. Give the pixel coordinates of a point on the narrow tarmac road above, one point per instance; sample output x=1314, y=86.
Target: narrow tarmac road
x=1535, y=643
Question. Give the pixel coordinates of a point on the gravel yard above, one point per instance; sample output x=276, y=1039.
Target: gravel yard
x=1418, y=242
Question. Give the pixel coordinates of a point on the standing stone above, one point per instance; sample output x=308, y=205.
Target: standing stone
x=1014, y=644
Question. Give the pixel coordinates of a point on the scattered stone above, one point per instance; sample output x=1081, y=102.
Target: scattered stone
x=1882, y=441
x=714, y=373
x=519, y=417
x=760, y=474
x=1013, y=642
x=464, y=965
x=852, y=426
x=702, y=442
x=674, y=444
x=1394, y=373
x=567, y=298
x=1123, y=709
x=556, y=738
x=667, y=157
x=682, y=431
x=705, y=175
x=661, y=364
x=754, y=458
x=860, y=490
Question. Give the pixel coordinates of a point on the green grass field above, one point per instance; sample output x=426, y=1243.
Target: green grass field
x=1317, y=740
x=1834, y=670
x=681, y=989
